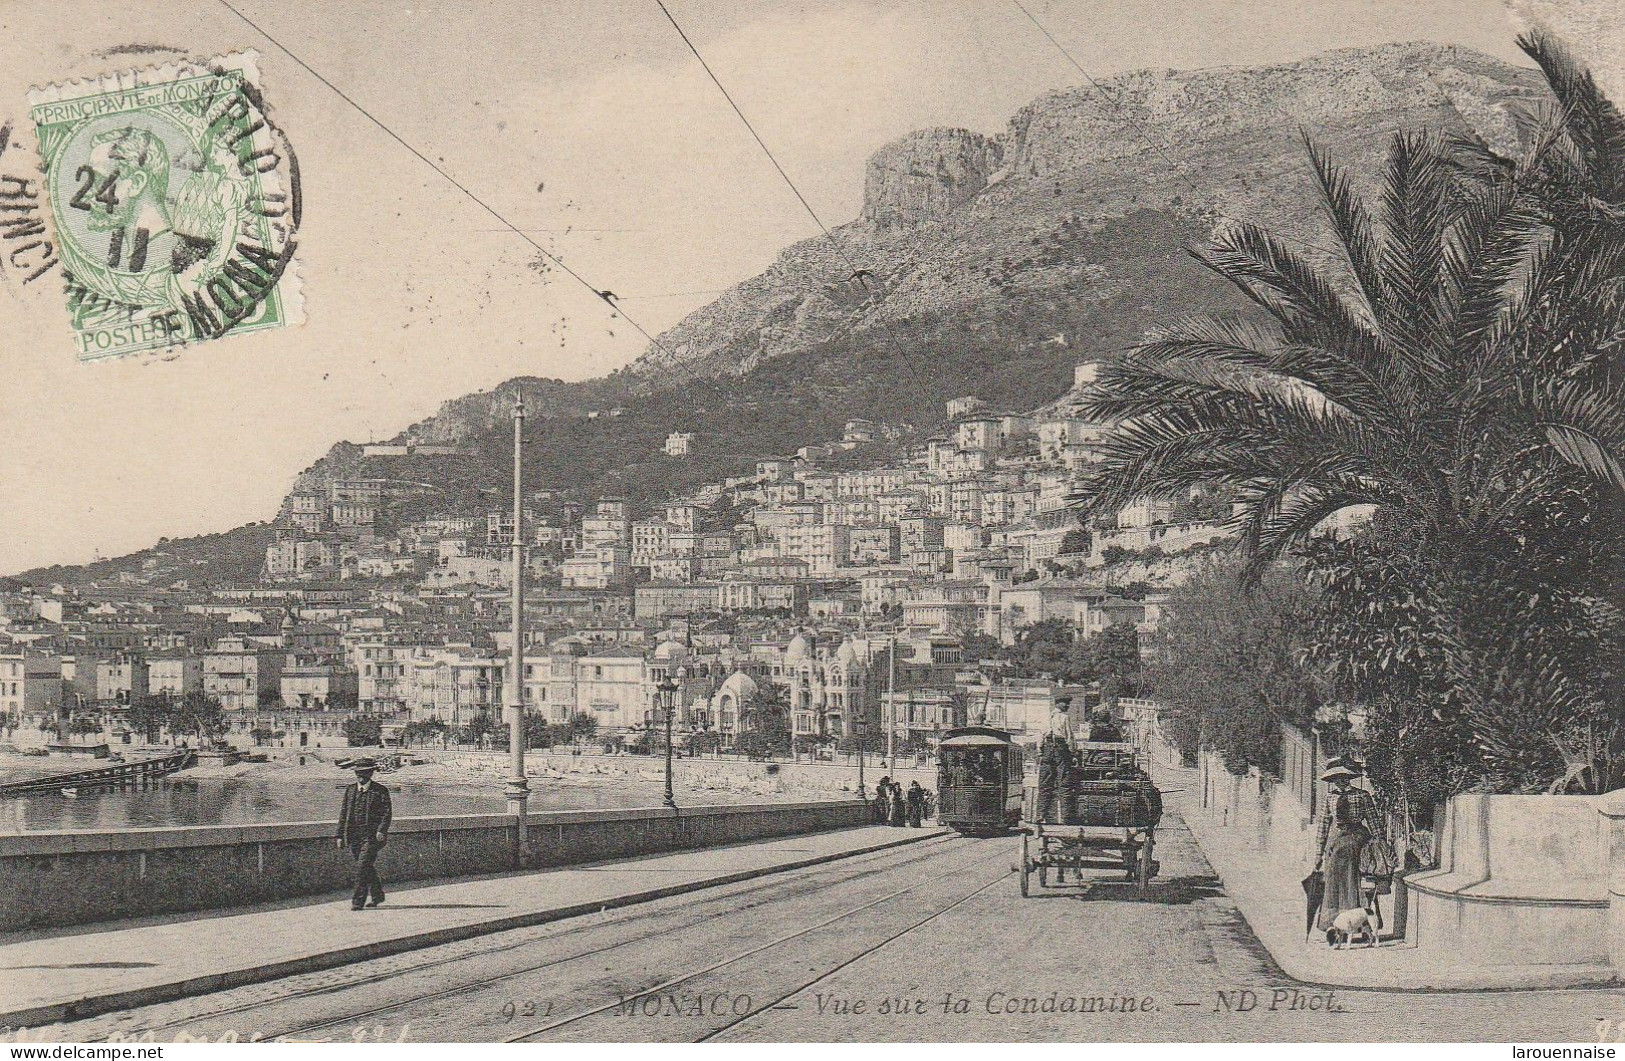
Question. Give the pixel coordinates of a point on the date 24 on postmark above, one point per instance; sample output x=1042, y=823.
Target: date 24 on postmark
x=175, y=202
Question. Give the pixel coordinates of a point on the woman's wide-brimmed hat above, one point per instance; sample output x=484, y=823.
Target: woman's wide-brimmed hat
x=1339, y=773
x=1346, y=760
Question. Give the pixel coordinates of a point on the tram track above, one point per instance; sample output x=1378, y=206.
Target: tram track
x=801, y=933
x=861, y=955
x=737, y=897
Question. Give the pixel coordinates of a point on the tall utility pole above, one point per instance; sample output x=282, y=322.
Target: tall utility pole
x=891, y=698
x=518, y=789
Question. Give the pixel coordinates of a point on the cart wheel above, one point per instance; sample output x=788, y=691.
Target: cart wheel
x=1146, y=866
x=1026, y=864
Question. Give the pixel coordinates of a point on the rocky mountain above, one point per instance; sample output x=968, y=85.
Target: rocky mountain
x=954, y=218
x=984, y=264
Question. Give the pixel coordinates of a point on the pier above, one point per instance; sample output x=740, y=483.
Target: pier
x=116, y=775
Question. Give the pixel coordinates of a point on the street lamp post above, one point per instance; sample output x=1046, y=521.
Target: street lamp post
x=891, y=698
x=518, y=789
x=668, y=688
x=862, y=729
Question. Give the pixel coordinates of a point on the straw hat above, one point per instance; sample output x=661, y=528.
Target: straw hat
x=364, y=764
x=1339, y=773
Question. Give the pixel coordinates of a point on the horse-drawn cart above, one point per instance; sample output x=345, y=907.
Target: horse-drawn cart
x=1106, y=818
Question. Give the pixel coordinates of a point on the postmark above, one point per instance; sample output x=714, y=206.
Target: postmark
x=175, y=202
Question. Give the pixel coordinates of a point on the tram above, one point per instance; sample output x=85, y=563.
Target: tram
x=979, y=781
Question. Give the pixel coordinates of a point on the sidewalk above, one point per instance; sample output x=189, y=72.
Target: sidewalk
x=84, y=970
x=1270, y=897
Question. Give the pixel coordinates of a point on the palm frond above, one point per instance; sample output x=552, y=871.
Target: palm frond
x=1587, y=452
x=1352, y=223
x=1590, y=119
x=1308, y=309
x=1489, y=247
x=1418, y=207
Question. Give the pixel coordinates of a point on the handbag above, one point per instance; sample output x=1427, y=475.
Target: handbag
x=1376, y=858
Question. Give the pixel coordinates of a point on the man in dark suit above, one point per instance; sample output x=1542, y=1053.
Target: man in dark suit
x=364, y=828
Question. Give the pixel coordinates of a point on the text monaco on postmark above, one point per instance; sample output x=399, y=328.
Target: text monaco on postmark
x=175, y=202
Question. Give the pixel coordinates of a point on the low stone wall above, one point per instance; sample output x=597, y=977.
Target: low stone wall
x=74, y=877
x=810, y=780
x=1259, y=812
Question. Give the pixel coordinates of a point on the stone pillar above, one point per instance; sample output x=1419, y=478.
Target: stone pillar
x=1611, y=841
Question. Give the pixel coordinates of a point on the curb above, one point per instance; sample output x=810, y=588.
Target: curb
x=94, y=1005
x=1442, y=979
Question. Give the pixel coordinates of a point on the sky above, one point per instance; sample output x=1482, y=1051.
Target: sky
x=585, y=123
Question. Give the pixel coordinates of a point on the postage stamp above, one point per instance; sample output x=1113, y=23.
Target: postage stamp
x=175, y=201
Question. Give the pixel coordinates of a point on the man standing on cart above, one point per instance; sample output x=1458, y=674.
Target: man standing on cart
x=1056, y=797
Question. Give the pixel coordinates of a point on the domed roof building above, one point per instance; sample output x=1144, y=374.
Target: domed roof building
x=800, y=649
x=730, y=700
x=573, y=645
x=827, y=688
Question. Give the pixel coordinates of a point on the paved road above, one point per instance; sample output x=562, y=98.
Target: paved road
x=930, y=942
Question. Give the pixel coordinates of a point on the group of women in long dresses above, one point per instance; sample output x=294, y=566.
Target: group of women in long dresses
x=892, y=806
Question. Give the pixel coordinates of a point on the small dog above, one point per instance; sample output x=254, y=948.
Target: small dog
x=1350, y=927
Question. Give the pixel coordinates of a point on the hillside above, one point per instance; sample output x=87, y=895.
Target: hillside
x=226, y=558
x=995, y=262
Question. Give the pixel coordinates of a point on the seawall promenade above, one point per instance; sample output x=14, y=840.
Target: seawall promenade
x=51, y=879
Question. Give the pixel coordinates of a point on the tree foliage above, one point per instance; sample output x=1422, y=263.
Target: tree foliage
x=364, y=731
x=704, y=742
x=424, y=731
x=765, y=724
x=1053, y=647
x=194, y=714
x=582, y=726
x=1228, y=666
x=478, y=730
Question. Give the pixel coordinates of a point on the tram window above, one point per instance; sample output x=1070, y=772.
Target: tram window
x=986, y=767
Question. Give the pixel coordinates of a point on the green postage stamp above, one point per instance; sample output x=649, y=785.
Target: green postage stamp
x=175, y=202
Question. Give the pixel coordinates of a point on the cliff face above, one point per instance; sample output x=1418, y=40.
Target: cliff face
x=1172, y=113
x=927, y=174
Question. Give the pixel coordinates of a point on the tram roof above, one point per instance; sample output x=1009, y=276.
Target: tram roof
x=975, y=736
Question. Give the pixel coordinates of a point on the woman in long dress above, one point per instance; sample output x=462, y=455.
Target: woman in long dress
x=1346, y=828
x=898, y=810
x=881, y=804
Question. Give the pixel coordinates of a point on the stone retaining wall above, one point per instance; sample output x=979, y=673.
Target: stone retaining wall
x=72, y=877
x=1525, y=881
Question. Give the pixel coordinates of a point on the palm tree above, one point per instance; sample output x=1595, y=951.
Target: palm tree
x=764, y=721
x=1574, y=174
x=1455, y=367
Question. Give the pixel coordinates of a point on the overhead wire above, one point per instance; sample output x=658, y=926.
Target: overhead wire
x=604, y=294
x=840, y=248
